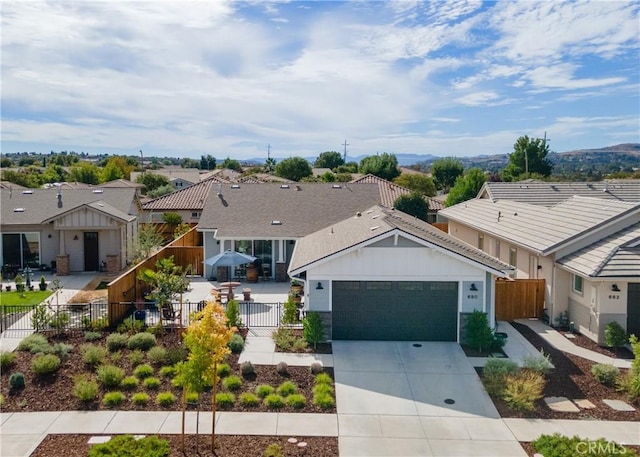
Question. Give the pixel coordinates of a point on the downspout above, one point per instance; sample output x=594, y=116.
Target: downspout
x=552, y=295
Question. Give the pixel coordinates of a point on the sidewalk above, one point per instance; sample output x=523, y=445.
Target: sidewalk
x=559, y=341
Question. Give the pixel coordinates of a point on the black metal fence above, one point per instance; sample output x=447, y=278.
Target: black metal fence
x=16, y=321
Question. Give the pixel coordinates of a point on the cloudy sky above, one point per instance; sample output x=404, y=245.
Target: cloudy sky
x=224, y=78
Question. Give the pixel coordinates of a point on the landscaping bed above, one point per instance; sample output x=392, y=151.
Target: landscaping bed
x=571, y=378
x=226, y=446
x=584, y=342
x=55, y=392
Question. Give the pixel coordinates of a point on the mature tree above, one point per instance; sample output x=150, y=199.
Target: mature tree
x=413, y=204
x=445, y=172
x=189, y=163
x=329, y=159
x=207, y=162
x=529, y=156
x=349, y=167
x=6, y=163
x=54, y=173
x=231, y=164
x=466, y=187
x=22, y=178
x=86, y=172
x=344, y=177
x=152, y=181
x=384, y=166
x=166, y=281
x=419, y=183
x=160, y=191
x=293, y=168
x=270, y=165
x=116, y=167
x=148, y=240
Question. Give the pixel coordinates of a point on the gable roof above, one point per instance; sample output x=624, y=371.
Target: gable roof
x=248, y=210
x=551, y=193
x=121, y=183
x=543, y=230
x=42, y=204
x=617, y=255
x=99, y=206
x=10, y=185
x=389, y=191
x=190, y=198
x=374, y=223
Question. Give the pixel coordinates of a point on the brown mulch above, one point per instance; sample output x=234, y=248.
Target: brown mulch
x=321, y=348
x=226, y=446
x=571, y=378
x=472, y=352
x=584, y=342
x=55, y=392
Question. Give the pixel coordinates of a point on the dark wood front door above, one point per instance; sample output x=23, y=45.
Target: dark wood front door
x=91, y=255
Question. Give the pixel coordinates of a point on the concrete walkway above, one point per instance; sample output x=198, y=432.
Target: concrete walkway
x=559, y=341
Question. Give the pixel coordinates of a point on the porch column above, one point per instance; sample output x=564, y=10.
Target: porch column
x=62, y=249
x=281, y=246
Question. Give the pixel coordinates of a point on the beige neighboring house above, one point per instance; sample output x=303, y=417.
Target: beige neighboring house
x=79, y=229
x=587, y=249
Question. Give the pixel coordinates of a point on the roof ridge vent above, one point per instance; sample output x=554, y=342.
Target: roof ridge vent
x=235, y=186
x=284, y=186
x=98, y=191
x=27, y=192
x=336, y=186
x=18, y=210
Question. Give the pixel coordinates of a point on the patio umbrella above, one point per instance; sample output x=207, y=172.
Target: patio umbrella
x=229, y=258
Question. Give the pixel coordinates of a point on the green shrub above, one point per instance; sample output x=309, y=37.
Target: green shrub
x=113, y=399
x=225, y=400
x=129, y=383
x=130, y=326
x=273, y=450
x=165, y=399
x=136, y=357
x=110, y=375
x=321, y=389
x=478, y=334
x=223, y=370
x=85, y=389
x=62, y=350
x=282, y=368
x=99, y=325
x=630, y=383
x=249, y=399
x=16, y=381
x=290, y=313
x=323, y=378
x=193, y=398
x=232, y=383
x=313, y=329
x=494, y=372
x=605, y=374
x=323, y=400
x=233, y=314
x=143, y=341
x=1, y=400
x=120, y=445
x=523, y=389
x=140, y=398
x=614, y=335
x=539, y=363
x=286, y=339
x=299, y=345
x=247, y=369
x=143, y=371
x=43, y=364
x=263, y=390
x=177, y=354
x=296, y=401
x=557, y=445
x=287, y=388
x=236, y=344
x=116, y=356
x=7, y=360
x=157, y=355
x=116, y=341
x=59, y=320
x=33, y=342
x=92, y=336
x=93, y=355
x=168, y=372
x=273, y=401
x=151, y=383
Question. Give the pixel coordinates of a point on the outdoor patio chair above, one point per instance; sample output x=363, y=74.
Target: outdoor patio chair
x=170, y=317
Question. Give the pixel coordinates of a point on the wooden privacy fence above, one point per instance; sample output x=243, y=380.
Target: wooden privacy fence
x=519, y=299
x=187, y=252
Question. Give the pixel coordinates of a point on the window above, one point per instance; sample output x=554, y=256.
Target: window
x=577, y=284
x=481, y=241
x=513, y=257
x=195, y=215
x=21, y=249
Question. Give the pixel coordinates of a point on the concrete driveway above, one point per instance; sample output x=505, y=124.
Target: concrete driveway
x=414, y=399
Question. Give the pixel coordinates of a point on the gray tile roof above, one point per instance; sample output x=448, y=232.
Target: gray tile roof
x=42, y=204
x=10, y=185
x=247, y=211
x=552, y=193
x=615, y=256
x=541, y=229
x=373, y=223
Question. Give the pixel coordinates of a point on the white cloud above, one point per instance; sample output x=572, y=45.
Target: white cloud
x=560, y=76
x=477, y=98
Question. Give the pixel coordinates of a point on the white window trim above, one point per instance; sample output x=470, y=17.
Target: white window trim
x=573, y=284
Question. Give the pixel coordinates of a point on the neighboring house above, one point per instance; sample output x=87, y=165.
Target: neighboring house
x=180, y=183
x=78, y=229
x=265, y=220
x=389, y=193
x=381, y=274
x=9, y=185
x=585, y=248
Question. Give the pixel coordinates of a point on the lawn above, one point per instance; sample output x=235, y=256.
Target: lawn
x=27, y=298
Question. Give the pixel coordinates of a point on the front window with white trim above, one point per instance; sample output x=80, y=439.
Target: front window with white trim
x=578, y=284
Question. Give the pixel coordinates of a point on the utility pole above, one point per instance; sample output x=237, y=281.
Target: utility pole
x=268, y=151
x=142, y=161
x=345, y=151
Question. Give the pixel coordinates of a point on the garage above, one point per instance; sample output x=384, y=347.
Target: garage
x=394, y=310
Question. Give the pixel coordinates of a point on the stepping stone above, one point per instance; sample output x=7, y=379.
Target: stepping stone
x=561, y=404
x=619, y=405
x=98, y=439
x=584, y=404
x=570, y=336
x=292, y=440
